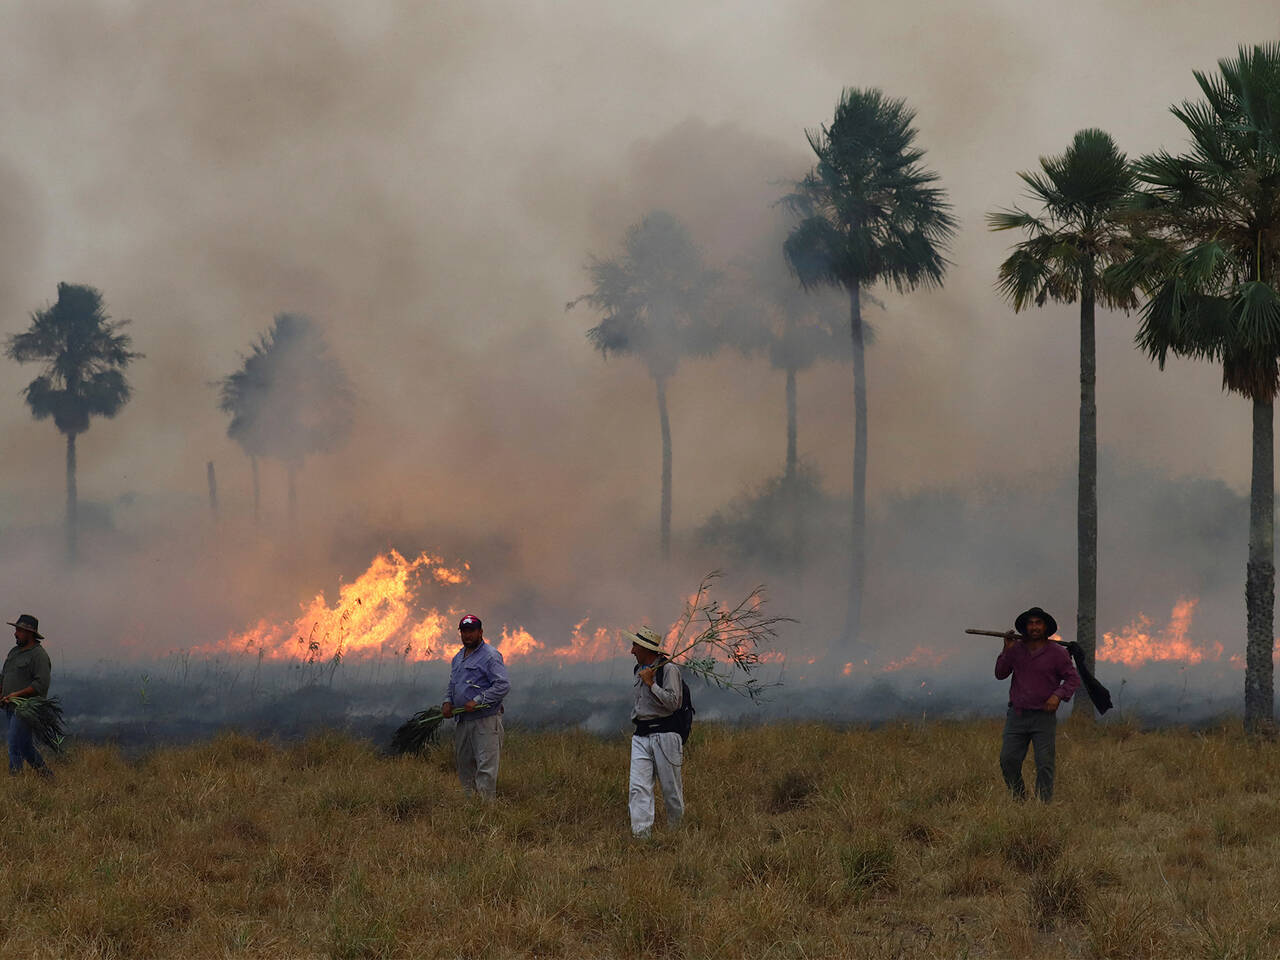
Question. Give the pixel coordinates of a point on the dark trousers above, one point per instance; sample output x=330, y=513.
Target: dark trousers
x=1023, y=728
x=21, y=745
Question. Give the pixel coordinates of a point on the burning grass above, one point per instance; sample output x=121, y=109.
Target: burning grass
x=800, y=841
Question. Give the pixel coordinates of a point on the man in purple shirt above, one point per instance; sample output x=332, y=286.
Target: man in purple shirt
x=1043, y=678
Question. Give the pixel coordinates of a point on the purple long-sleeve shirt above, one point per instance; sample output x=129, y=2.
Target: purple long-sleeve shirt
x=1037, y=676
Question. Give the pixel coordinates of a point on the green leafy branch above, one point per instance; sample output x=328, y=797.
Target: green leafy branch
x=721, y=644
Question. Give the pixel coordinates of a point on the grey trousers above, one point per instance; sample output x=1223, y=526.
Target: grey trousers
x=660, y=755
x=476, y=745
x=1038, y=728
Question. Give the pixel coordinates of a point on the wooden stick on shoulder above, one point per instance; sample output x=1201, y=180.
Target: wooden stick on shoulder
x=992, y=633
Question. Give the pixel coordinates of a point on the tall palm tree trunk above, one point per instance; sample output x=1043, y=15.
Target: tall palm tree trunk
x=253, y=464
x=664, y=513
x=1087, y=484
x=857, y=574
x=792, y=429
x=791, y=482
x=1260, y=577
x=72, y=507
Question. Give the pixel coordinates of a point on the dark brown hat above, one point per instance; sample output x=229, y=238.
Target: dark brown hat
x=27, y=622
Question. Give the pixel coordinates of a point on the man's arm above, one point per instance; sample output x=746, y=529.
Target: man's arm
x=1068, y=679
x=669, y=693
x=447, y=706
x=499, y=683
x=1004, y=662
x=27, y=691
x=43, y=674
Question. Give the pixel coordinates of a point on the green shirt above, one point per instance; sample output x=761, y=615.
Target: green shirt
x=26, y=668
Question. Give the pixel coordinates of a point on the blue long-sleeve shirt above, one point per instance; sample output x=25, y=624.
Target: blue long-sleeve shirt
x=480, y=676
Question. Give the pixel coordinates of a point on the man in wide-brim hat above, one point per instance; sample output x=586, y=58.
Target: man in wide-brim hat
x=1043, y=679
x=657, y=749
x=26, y=673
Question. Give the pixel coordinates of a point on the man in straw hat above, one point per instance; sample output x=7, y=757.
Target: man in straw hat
x=477, y=686
x=26, y=674
x=656, y=747
x=1043, y=678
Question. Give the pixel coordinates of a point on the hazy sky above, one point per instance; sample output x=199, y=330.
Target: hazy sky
x=427, y=180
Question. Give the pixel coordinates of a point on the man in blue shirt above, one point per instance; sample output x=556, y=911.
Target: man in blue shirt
x=478, y=681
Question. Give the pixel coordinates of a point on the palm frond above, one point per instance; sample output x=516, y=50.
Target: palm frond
x=1257, y=309
x=868, y=211
x=84, y=354
x=418, y=732
x=43, y=715
x=1016, y=219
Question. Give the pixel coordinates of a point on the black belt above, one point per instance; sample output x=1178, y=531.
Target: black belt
x=668, y=724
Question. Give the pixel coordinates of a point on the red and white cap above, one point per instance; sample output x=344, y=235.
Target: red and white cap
x=469, y=622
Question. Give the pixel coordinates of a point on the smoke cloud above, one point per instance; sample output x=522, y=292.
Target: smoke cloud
x=428, y=181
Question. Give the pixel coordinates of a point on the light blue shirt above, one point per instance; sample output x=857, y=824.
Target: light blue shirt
x=480, y=676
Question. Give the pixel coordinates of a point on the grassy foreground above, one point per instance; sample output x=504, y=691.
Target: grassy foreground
x=801, y=841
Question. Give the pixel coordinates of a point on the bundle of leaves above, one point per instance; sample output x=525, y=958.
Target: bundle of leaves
x=720, y=644
x=418, y=732
x=44, y=716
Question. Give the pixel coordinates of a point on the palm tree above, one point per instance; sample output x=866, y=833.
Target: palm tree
x=1210, y=262
x=762, y=310
x=289, y=399
x=652, y=297
x=242, y=395
x=85, y=357
x=1080, y=231
x=869, y=213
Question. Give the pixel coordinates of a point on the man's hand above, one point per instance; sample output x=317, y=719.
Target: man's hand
x=1052, y=704
x=469, y=706
x=1010, y=638
x=446, y=708
x=647, y=675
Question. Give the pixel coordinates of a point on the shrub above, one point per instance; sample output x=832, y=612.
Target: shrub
x=867, y=865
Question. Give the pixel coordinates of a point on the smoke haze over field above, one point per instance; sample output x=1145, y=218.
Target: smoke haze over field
x=427, y=181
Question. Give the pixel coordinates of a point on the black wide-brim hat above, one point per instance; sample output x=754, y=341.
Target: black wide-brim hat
x=27, y=622
x=1050, y=624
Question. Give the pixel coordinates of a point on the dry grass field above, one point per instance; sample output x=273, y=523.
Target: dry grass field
x=801, y=841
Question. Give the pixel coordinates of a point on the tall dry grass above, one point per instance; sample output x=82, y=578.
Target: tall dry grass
x=800, y=841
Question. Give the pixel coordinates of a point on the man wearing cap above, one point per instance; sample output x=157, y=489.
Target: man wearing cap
x=478, y=681
x=26, y=673
x=1043, y=678
x=656, y=747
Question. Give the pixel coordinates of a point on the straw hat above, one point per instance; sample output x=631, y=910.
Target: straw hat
x=648, y=638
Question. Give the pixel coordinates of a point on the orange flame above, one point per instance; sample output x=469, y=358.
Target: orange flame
x=373, y=612
x=379, y=612
x=600, y=644
x=1136, y=645
x=518, y=643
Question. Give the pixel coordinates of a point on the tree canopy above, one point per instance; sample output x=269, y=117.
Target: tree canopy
x=652, y=296
x=84, y=354
x=290, y=398
x=869, y=210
